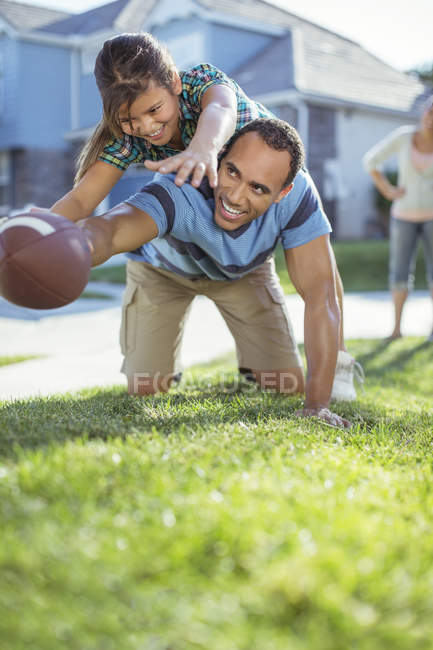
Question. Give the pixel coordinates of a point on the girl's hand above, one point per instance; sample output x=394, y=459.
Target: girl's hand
x=196, y=164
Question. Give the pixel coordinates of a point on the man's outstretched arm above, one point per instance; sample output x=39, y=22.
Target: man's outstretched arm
x=311, y=269
x=121, y=229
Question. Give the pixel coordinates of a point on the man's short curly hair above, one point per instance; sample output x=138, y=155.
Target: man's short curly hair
x=279, y=136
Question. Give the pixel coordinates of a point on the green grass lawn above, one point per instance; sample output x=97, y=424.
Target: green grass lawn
x=116, y=274
x=212, y=518
x=363, y=267
x=95, y=295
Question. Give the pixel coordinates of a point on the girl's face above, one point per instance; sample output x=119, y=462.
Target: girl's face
x=154, y=115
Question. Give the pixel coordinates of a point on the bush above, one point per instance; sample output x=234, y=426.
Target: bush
x=383, y=205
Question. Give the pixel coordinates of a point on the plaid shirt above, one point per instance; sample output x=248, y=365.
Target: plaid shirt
x=130, y=149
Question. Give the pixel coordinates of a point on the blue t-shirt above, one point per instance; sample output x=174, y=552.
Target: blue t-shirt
x=190, y=244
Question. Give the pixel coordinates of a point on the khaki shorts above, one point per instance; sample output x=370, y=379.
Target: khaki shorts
x=155, y=308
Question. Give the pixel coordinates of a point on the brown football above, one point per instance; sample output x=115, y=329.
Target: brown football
x=44, y=260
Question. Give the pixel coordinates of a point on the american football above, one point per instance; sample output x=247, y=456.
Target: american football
x=44, y=260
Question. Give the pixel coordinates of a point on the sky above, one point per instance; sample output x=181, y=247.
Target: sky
x=397, y=31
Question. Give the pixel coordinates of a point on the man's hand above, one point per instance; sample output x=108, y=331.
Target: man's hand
x=332, y=419
x=190, y=162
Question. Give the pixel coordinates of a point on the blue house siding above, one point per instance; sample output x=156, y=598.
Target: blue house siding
x=8, y=93
x=44, y=108
x=187, y=40
x=194, y=40
x=230, y=47
x=90, y=102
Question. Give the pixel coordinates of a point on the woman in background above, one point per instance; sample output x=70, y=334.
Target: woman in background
x=412, y=204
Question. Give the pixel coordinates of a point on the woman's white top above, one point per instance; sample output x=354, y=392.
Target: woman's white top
x=415, y=173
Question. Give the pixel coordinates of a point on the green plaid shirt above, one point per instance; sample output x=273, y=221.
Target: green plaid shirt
x=131, y=149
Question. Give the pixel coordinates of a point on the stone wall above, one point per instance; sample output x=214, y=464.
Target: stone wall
x=41, y=176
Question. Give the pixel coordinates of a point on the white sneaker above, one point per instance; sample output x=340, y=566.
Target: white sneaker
x=346, y=370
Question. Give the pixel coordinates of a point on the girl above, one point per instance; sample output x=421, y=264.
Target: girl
x=172, y=121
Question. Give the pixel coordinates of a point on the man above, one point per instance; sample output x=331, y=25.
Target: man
x=220, y=245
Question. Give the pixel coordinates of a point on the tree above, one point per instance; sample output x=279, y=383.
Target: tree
x=424, y=72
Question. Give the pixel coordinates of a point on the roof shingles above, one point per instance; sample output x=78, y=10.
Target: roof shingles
x=332, y=66
x=27, y=17
x=90, y=21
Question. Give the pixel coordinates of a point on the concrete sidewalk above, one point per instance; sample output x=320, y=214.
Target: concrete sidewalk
x=79, y=342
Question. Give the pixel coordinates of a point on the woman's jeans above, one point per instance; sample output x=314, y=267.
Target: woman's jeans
x=404, y=238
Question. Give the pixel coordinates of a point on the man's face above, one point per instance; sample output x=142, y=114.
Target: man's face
x=250, y=179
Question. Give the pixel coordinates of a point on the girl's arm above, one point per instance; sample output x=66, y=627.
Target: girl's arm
x=81, y=201
x=216, y=124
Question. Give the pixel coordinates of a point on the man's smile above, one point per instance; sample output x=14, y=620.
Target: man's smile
x=229, y=212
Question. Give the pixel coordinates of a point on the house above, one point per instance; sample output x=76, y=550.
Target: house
x=340, y=97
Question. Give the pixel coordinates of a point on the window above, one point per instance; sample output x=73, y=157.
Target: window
x=5, y=181
x=2, y=86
